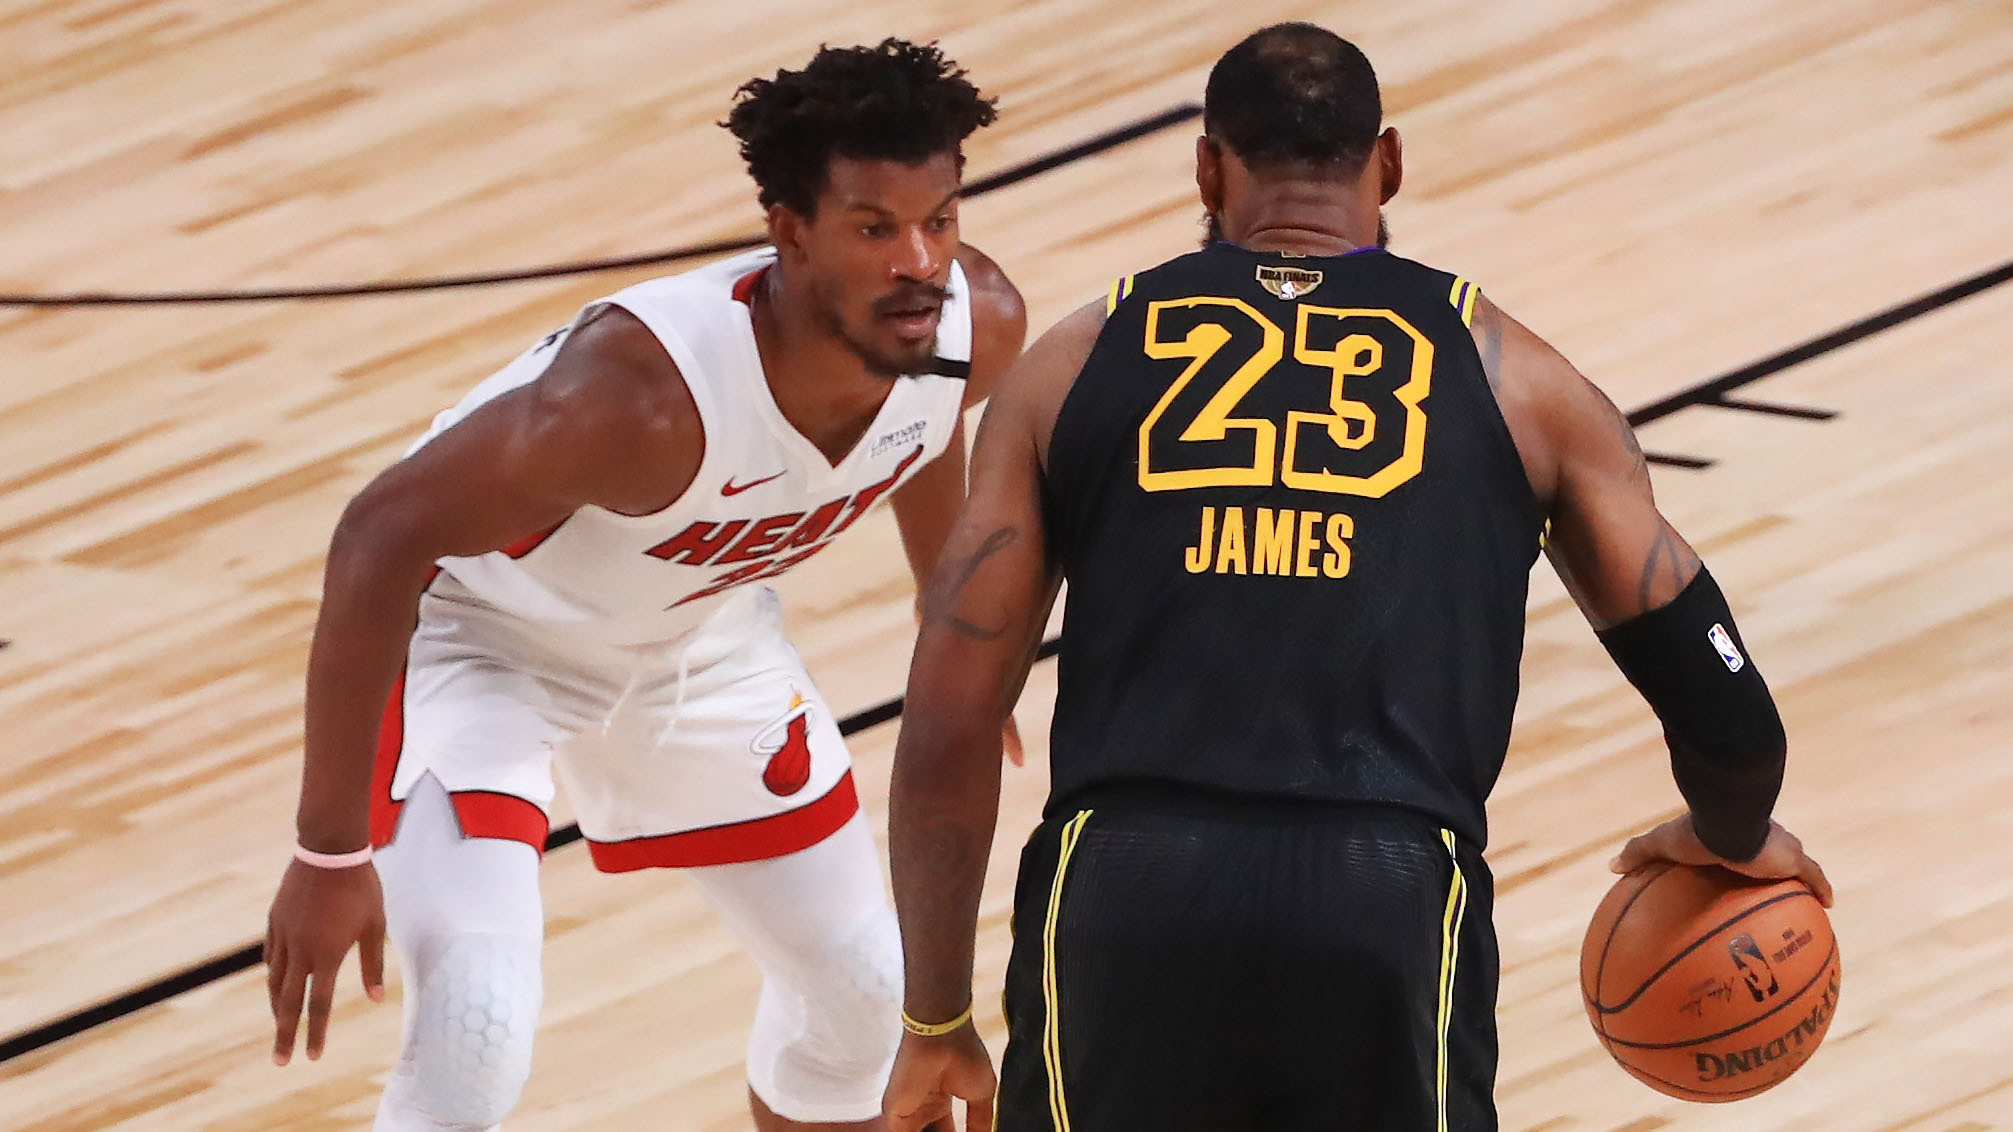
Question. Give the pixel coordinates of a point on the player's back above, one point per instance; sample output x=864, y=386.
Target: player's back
x=1297, y=535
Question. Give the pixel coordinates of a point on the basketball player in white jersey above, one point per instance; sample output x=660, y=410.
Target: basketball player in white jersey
x=565, y=573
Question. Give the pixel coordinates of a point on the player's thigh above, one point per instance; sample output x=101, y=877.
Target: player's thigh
x=1126, y=978
x=803, y=913
x=737, y=760
x=828, y=1017
x=1391, y=973
x=479, y=709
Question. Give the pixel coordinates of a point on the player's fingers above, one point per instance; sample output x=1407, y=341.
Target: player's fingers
x=978, y=1097
x=979, y=1115
x=287, y=1009
x=276, y=973
x=1641, y=850
x=1813, y=875
x=321, y=999
x=918, y=1115
x=370, y=956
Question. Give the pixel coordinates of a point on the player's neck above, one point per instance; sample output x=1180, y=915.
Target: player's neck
x=822, y=387
x=1301, y=218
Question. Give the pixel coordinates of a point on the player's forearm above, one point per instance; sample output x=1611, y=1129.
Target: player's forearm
x=926, y=508
x=1727, y=745
x=943, y=804
x=370, y=599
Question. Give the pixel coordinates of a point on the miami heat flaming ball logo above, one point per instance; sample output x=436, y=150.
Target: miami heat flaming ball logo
x=786, y=743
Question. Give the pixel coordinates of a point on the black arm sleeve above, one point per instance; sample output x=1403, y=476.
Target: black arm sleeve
x=1726, y=739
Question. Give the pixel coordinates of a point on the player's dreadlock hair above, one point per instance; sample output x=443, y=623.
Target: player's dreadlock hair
x=896, y=101
x=1294, y=96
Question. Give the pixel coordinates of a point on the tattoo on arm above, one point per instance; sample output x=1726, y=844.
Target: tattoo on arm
x=940, y=606
x=1668, y=557
x=1635, y=447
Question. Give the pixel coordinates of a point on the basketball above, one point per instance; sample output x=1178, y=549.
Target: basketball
x=1706, y=985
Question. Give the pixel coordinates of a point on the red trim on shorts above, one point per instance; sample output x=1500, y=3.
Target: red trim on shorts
x=744, y=287
x=758, y=839
x=506, y=817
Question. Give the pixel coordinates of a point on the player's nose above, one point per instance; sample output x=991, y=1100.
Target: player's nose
x=916, y=256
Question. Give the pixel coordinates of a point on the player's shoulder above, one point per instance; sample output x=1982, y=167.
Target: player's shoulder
x=999, y=320
x=613, y=378
x=709, y=288
x=993, y=295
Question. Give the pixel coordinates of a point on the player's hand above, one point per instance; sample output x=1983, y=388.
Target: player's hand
x=1781, y=856
x=1010, y=743
x=930, y=1071
x=317, y=916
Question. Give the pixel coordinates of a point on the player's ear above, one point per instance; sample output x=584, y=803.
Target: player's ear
x=1389, y=154
x=786, y=231
x=1209, y=174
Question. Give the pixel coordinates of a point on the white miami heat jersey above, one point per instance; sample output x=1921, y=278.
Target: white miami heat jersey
x=765, y=498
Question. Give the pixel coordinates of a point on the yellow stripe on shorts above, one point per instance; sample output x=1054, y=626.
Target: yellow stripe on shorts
x=1051, y=1038
x=1450, y=958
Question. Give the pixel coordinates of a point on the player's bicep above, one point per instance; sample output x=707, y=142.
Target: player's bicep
x=1614, y=550
x=587, y=431
x=988, y=598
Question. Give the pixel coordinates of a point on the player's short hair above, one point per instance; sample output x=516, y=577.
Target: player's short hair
x=1294, y=96
x=895, y=101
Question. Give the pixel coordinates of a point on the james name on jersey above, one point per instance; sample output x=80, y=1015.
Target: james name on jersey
x=1283, y=543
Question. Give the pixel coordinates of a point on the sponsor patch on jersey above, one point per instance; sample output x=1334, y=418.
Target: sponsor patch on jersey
x=1722, y=641
x=1288, y=282
x=910, y=433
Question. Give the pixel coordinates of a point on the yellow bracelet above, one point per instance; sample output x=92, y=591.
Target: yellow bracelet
x=934, y=1029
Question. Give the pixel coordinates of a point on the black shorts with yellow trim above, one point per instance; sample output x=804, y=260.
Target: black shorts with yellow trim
x=1185, y=961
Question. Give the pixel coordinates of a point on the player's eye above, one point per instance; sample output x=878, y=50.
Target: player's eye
x=941, y=224
x=876, y=231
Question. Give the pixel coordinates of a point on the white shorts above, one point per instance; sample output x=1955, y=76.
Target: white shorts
x=710, y=750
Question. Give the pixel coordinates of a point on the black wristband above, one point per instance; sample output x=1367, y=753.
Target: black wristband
x=1726, y=740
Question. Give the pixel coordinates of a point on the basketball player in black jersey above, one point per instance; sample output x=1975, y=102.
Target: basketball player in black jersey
x=1296, y=484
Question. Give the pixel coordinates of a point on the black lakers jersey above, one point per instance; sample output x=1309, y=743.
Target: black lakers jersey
x=1297, y=536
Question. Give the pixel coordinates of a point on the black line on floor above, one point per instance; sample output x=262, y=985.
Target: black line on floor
x=1748, y=405
x=1670, y=460
x=1846, y=335
x=1012, y=175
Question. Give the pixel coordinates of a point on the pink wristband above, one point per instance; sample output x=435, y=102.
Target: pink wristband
x=332, y=860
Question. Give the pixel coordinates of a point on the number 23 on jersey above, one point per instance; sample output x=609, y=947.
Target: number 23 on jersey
x=1366, y=439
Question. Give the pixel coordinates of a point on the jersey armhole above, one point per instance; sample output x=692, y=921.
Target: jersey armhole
x=704, y=401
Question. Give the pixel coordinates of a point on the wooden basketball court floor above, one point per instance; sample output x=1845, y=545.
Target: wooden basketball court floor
x=1668, y=189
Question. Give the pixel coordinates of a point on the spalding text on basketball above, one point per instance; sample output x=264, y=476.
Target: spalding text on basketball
x=1713, y=1066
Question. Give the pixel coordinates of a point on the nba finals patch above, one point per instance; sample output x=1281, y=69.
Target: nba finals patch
x=1288, y=282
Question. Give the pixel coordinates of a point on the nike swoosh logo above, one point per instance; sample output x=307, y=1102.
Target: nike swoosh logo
x=732, y=488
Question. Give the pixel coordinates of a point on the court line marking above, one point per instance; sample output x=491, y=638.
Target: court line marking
x=1011, y=175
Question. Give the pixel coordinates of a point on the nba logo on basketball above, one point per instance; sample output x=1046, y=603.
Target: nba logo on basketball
x=786, y=743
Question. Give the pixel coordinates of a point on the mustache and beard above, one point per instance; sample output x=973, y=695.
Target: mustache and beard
x=1212, y=229
x=895, y=360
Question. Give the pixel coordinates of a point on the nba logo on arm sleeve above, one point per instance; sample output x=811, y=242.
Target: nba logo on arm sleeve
x=1722, y=641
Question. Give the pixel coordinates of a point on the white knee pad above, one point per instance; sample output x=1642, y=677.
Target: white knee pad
x=825, y=1031
x=468, y=1051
